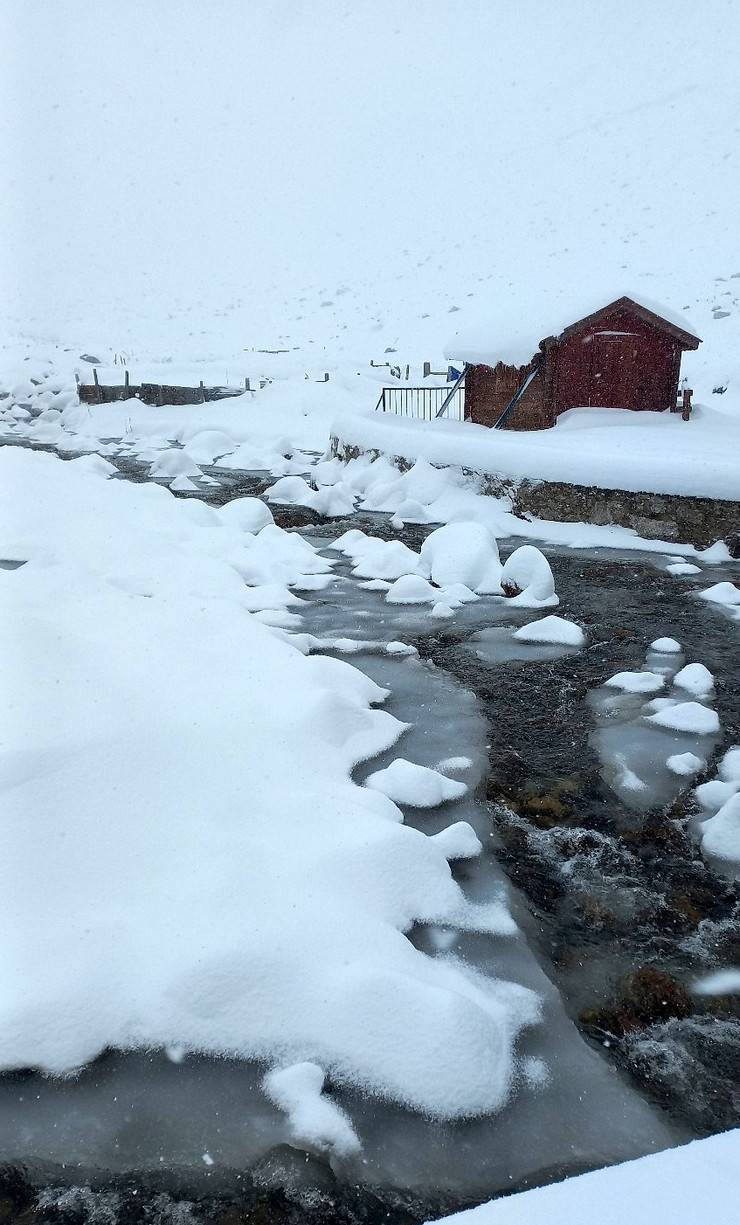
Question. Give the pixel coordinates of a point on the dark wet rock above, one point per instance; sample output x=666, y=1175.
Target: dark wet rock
x=733, y=544
x=695, y=1060
x=17, y=1195
x=647, y=996
x=298, y=1173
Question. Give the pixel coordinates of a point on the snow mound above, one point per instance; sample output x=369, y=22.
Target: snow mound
x=209, y=445
x=729, y=767
x=683, y=567
x=404, y=782
x=636, y=682
x=412, y=589
x=722, y=593
x=686, y=717
x=182, y=483
x=458, y=841
x=375, y=558
x=464, y=553
x=527, y=579
x=666, y=646
x=696, y=679
x=315, y=1121
x=685, y=764
x=247, y=514
x=552, y=629
x=720, y=835
x=174, y=463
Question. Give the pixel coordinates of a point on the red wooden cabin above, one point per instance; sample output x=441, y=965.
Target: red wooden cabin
x=625, y=355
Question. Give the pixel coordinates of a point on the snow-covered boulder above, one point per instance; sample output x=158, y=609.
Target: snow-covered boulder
x=174, y=462
x=696, y=679
x=527, y=579
x=666, y=646
x=247, y=514
x=554, y=630
x=464, y=553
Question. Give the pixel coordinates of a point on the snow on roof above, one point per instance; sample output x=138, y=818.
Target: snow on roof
x=510, y=335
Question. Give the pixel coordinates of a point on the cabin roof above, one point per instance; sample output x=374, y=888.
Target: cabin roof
x=504, y=336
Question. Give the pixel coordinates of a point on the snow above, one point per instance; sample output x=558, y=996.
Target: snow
x=666, y=646
x=696, y=1182
x=696, y=679
x=249, y=514
x=179, y=775
x=174, y=463
x=682, y=567
x=462, y=552
x=686, y=717
x=653, y=452
x=458, y=841
x=315, y=1120
x=552, y=629
x=720, y=834
x=527, y=571
x=720, y=799
x=411, y=589
x=685, y=764
x=407, y=783
x=722, y=593
x=729, y=767
x=636, y=682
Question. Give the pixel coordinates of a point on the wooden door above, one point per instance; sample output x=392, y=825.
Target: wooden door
x=615, y=365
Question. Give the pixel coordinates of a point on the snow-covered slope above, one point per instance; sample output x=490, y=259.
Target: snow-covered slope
x=364, y=177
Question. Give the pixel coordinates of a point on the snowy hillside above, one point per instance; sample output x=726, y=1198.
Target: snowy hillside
x=370, y=180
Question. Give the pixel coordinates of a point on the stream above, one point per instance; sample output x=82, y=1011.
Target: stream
x=617, y=915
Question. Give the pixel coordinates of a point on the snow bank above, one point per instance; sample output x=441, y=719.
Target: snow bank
x=188, y=863
x=552, y=629
x=697, y=1182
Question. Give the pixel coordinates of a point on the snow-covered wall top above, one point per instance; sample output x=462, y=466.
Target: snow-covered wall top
x=605, y=447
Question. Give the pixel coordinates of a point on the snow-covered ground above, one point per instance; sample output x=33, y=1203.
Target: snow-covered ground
x=684, y=1186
